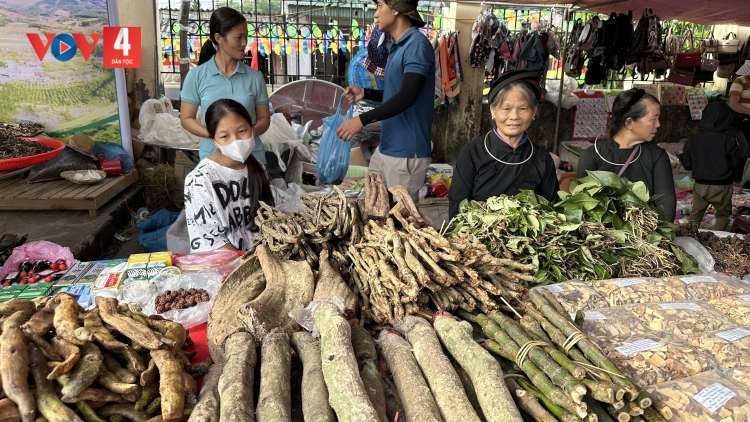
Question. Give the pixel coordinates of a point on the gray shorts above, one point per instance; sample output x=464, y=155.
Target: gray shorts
x=407, y=172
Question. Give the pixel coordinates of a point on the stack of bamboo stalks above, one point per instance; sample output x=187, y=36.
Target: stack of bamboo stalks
x=556, y=372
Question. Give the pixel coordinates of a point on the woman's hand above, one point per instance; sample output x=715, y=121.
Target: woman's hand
x=349, y=128
x=189, y=122
x=354, y=94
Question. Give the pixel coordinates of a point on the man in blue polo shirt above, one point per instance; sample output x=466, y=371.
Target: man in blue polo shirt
x=407, y=111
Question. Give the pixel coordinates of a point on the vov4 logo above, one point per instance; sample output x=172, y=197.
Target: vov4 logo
x=122, y=46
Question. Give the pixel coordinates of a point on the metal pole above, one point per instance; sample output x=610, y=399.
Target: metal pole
x=555, y=149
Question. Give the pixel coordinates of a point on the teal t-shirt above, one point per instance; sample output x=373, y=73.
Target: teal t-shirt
x=206, y=84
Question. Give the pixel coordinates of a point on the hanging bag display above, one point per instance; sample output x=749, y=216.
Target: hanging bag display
x=690, y=59
x=726, y=70
x=709, y=65
x=711, y=44
x=729, y=44
x=671, y=44
x=682, y=77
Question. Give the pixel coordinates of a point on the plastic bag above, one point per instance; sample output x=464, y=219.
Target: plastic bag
x=36, y=251
x=681, y=318
x=305, y=316
x=612, y=325
x=200, y=261
x=699, y=252
x=654, y=359
x=736, y=308
x=160, y=128
x=69, y=159
x=713, y=286
x=623, y=291
x=210, y=280
x=112, y=151
x=730, y=348
x=334, y=155
x=178, y=238
x=575, y=295
x=153, y=235
x=710, y=396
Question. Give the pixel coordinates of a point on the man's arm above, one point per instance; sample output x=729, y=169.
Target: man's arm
x=411, y=86
x=734, y=103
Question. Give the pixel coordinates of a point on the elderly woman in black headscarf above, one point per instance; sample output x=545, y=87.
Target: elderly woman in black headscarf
x=629, y=151
x=505, y=161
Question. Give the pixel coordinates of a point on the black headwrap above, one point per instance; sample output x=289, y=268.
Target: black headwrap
x=529, y=77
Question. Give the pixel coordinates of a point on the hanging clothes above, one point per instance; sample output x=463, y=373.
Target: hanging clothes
x=533, y=53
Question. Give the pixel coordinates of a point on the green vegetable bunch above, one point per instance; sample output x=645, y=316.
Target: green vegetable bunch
x=606, y=227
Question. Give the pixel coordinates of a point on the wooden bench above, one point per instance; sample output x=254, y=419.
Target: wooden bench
x=17, y=195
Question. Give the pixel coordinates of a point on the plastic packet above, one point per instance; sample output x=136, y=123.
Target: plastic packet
x=623, y=291
x=705, y=261
x=740, y=375
x=736, y=308
x=210, y=280
x=612, y=325
x=711, y=286
x=305, y=316
x=730, y=348
x=680, y=318
x=200, y=261
x=575, y=295
x=710, y=396
x=654, y=359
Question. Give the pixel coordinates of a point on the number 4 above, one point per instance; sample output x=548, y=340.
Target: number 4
x=121, y=43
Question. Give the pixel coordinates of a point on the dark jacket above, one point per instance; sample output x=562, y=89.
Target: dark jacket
x=652, y=167
x=715, y=153
x=478, y=176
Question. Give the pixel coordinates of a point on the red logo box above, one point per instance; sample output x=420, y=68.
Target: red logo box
x=122, y=47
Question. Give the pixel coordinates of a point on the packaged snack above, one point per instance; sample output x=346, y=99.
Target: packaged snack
x=623, y=291
x=649, y=360
x=713, y=286
x=139, y=257
x=154, y=267
x=680, y=318
x=730, y=347
x=612, y=325
x=162, y=256
x=74, y=273
x=736, y=308
x=137, y=271
x=710, y=396
x=575, y=295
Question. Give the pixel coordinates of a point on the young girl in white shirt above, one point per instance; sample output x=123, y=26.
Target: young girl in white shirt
x=222, y=193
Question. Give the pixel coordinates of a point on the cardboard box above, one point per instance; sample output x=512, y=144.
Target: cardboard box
x=6, y=296
x=34, y=291
x=108, y=281
x=139, y=257
x=162, y=256
x=84, y=297
x=73, y=274
x=96, y=269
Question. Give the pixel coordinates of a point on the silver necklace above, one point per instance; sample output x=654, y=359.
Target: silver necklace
x=640, y=150
x=499, y=160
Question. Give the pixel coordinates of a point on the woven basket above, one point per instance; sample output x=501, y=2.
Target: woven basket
x=70, y=176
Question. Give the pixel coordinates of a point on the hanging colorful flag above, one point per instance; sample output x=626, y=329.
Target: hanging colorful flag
x=254, y=53
x=342, y=43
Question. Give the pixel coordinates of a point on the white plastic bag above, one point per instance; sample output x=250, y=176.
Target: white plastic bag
x=210, y=280
x=568, y=86
x=280, y=137
x=160, y=128
x=699, y=252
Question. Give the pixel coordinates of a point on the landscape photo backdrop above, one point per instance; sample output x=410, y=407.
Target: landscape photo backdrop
x=67, y=97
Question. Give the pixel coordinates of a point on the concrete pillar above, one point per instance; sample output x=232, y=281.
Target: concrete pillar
x=142, y=13
x=461, y=121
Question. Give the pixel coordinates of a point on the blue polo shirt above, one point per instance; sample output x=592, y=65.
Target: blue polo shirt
x=408, y=134
x=206, y=84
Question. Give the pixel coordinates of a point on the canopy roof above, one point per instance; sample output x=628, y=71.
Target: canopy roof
x=702, y=12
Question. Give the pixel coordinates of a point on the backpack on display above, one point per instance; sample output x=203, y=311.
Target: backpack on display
x=617, y=57
x=654, y=33
x=573, y=63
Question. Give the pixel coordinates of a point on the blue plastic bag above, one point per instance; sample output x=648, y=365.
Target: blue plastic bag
x=334, y=154
x=153, y=236
x=112, y=151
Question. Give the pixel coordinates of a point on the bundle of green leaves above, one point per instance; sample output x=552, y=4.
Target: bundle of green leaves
x=606, y=227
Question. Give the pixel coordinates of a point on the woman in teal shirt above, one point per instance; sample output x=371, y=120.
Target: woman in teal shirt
x=222, y=74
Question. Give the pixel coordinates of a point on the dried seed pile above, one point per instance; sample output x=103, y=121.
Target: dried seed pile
x=180, y=299
x=111, y=362
x=14, y=147
x=731, y=254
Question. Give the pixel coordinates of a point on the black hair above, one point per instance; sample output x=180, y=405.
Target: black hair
x=222, y=21
x=257, y=177
x=630, y=104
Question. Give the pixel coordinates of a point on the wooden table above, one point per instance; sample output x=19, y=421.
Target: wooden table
x=17, y=195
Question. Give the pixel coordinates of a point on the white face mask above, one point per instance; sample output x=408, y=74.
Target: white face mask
x=238, y=150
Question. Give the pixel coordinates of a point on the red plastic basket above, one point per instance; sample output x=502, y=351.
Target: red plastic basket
x=18, y=163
